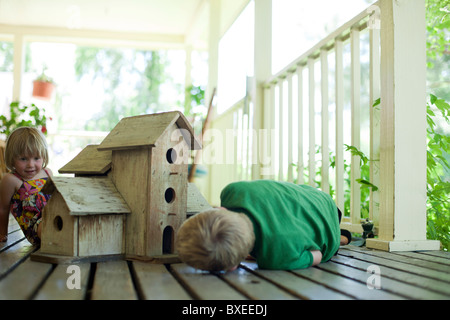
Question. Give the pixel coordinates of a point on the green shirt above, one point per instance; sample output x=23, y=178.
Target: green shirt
x=289, y=220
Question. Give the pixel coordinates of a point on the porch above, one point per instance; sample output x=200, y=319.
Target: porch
x=348, y=276
x=295, y=125
x=397, y=130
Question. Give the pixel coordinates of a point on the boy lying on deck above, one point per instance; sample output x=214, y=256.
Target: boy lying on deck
x=282, y=225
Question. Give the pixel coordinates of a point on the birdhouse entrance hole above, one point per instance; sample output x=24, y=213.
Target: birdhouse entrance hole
x=58, y=223
x=171, y=155
x=169, y=195
x=167, y=240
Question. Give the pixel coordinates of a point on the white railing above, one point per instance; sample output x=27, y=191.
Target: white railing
x=227, y=149
x=302, y=107
x=299, y=129
x=322, y=106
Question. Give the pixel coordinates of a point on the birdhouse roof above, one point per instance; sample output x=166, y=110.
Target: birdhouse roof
x=146, y=130
x=88, y=196
x=89, y=161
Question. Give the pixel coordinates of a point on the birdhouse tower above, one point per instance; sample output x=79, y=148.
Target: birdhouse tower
x=149, y=160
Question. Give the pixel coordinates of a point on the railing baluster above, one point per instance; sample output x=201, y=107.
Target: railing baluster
x=325, y=184
x=300, y=177
x=280, y=131
x=312, y=133
x=264, y=144
x=290, y=175
x=374, y=34
x=273, y=151
x=240, y=151
x=355, y=173
x=235, y=144
x=339, y=161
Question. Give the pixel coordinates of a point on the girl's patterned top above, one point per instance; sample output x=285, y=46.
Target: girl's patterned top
x=27, y=205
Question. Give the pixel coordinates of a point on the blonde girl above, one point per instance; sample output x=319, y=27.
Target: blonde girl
x=26, y=157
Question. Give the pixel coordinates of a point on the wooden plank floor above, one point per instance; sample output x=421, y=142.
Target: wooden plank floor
x=403, y=275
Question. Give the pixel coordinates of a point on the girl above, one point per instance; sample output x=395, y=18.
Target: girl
x=26, y=156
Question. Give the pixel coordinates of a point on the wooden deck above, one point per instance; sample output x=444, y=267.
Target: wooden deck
x=408, y=275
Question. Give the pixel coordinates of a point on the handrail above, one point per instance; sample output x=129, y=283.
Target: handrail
x=359, y=22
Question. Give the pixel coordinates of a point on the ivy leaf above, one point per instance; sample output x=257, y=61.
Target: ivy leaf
x=366, y=184
x=376, y=102
x=356, y=152
x=433, y=98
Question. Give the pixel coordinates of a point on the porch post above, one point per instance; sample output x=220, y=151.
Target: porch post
x=403, y=163
x=213, y=46
x=262, y=71
x=213, y=72
x=19, y=58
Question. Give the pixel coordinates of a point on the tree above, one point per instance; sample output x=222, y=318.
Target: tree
x=438, y=139
x=132, y=79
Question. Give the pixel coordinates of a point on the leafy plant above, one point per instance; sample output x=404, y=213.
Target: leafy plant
x=438, y=189
x=194, y=107
x=23, y=116
x=366, y=185
x=44, y=78
x=438, y=23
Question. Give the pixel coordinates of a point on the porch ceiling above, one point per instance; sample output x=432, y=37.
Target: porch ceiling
x=185, y=20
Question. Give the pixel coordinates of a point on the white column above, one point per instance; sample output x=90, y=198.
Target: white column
x=262, y=71
x=18, y=60
x=403, y=129
x=213, y=71
x=213, y=47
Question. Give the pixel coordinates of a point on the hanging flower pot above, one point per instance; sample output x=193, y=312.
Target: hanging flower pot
x=43, y=86
x=43, y=89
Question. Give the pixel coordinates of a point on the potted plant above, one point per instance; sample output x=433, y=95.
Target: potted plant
x=23, y=116
x=43, y=86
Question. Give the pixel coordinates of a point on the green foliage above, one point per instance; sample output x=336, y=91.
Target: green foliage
x=438, y=181
x=6, y=56
x=364, y=182
x=438, y=26
x=438, y=174
x=23, y=116
x=145, y=70
x=194, y=107
x=44, y=77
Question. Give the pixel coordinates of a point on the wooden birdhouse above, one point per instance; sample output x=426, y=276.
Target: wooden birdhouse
x=129, y=196
x=85, y=217
x=150, y=155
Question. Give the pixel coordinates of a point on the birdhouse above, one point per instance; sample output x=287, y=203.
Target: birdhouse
x=129, y=196
x=85, y=217
x=150, y=155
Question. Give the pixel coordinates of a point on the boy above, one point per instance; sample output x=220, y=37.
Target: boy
x=283, y=225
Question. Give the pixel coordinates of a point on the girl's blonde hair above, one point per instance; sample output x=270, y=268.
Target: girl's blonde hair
x=215, y=240
x=25, y=141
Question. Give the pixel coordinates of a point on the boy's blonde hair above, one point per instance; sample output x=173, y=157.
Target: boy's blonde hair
x=215, y=240
x=25, y=141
